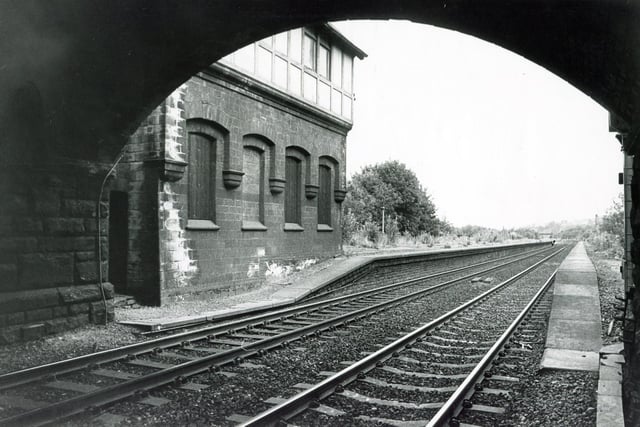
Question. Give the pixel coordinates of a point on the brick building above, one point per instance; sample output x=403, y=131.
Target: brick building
x=239, y=173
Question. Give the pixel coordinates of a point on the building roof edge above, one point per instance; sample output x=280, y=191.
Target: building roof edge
x=333, y=31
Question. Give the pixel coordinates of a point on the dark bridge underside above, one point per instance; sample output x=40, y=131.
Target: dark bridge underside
x=78, y=76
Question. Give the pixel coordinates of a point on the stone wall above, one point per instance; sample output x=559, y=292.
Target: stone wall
x=631, y=334
x=48, y=246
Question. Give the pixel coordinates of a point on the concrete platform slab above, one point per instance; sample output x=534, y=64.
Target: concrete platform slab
x=570, y=360
x=576, y=289
x=572, y=276
x=573, y=335
x=577, y=263
x=574, y=322
x=611, y=359
x=576, y=307
x=583, y=267
x=610, y=373
x=616, y=348
x=609, y=388
x=609, y=412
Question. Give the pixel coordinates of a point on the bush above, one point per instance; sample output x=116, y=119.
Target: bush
x=606, y=243
x=427, y=239
x=392, y=231
x=371, y=231
x=350, y=227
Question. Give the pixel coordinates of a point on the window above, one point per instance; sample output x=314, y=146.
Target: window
x=336, y=69
x=201, y=176
x=309, y=52
x=257, y=164
x=324, y=95
x=324, y=196
x=323, y=61
x=280, y=72
x=253, y=184
x=346, y=106
x=266, y=41
x=281, y=42
x=264, y=63
x=347, y=73
x=295, y=79
x=305, y=64
x=204, y=139
x=245, y=58
x=293, y=191
x=310, y=87
x=295, y=46
x=336, y=101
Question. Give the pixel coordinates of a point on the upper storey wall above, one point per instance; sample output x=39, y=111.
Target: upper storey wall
x=307, y=63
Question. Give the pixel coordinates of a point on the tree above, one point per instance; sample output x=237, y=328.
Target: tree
x=390, y=185
x=613, y=220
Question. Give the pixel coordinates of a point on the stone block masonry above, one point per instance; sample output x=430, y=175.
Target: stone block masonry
x=35, y=313
x=48, y=246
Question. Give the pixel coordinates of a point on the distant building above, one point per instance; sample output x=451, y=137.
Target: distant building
x=239, y=173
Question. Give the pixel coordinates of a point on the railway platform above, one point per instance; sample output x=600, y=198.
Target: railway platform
x=301, y=285
x=574, y=334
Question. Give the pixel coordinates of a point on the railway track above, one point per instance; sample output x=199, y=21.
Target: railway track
x=373, y=276
x=380, y=275
x=174, y=358
x=426, y=377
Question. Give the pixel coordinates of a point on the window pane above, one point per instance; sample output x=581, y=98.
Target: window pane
x=336, y=67
x=346, y=106
x=336, y=101
x=323, y=61
x=264, y=63
x=295, y=49
x=347, y=73
x=310, y=87
x=292, y=190
x=229, y=59
x=245, y=58
x=280, y=72
x=253, y=185
x=309, y=53
x=281, y=42
x=324, y=95
x=324, y=195
x=201, y=173
x=295, y=80
x=266, y=41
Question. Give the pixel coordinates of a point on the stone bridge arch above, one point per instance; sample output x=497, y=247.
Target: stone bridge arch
x=78, y=77
x=101, y=67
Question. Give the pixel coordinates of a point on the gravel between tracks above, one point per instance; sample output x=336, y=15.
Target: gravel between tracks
x=277, y=372
x=573, y=392
x=92, y=338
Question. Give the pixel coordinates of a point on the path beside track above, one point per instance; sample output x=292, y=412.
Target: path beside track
x=574, y=334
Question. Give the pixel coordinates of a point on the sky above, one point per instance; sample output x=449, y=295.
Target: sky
x=495, y=139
